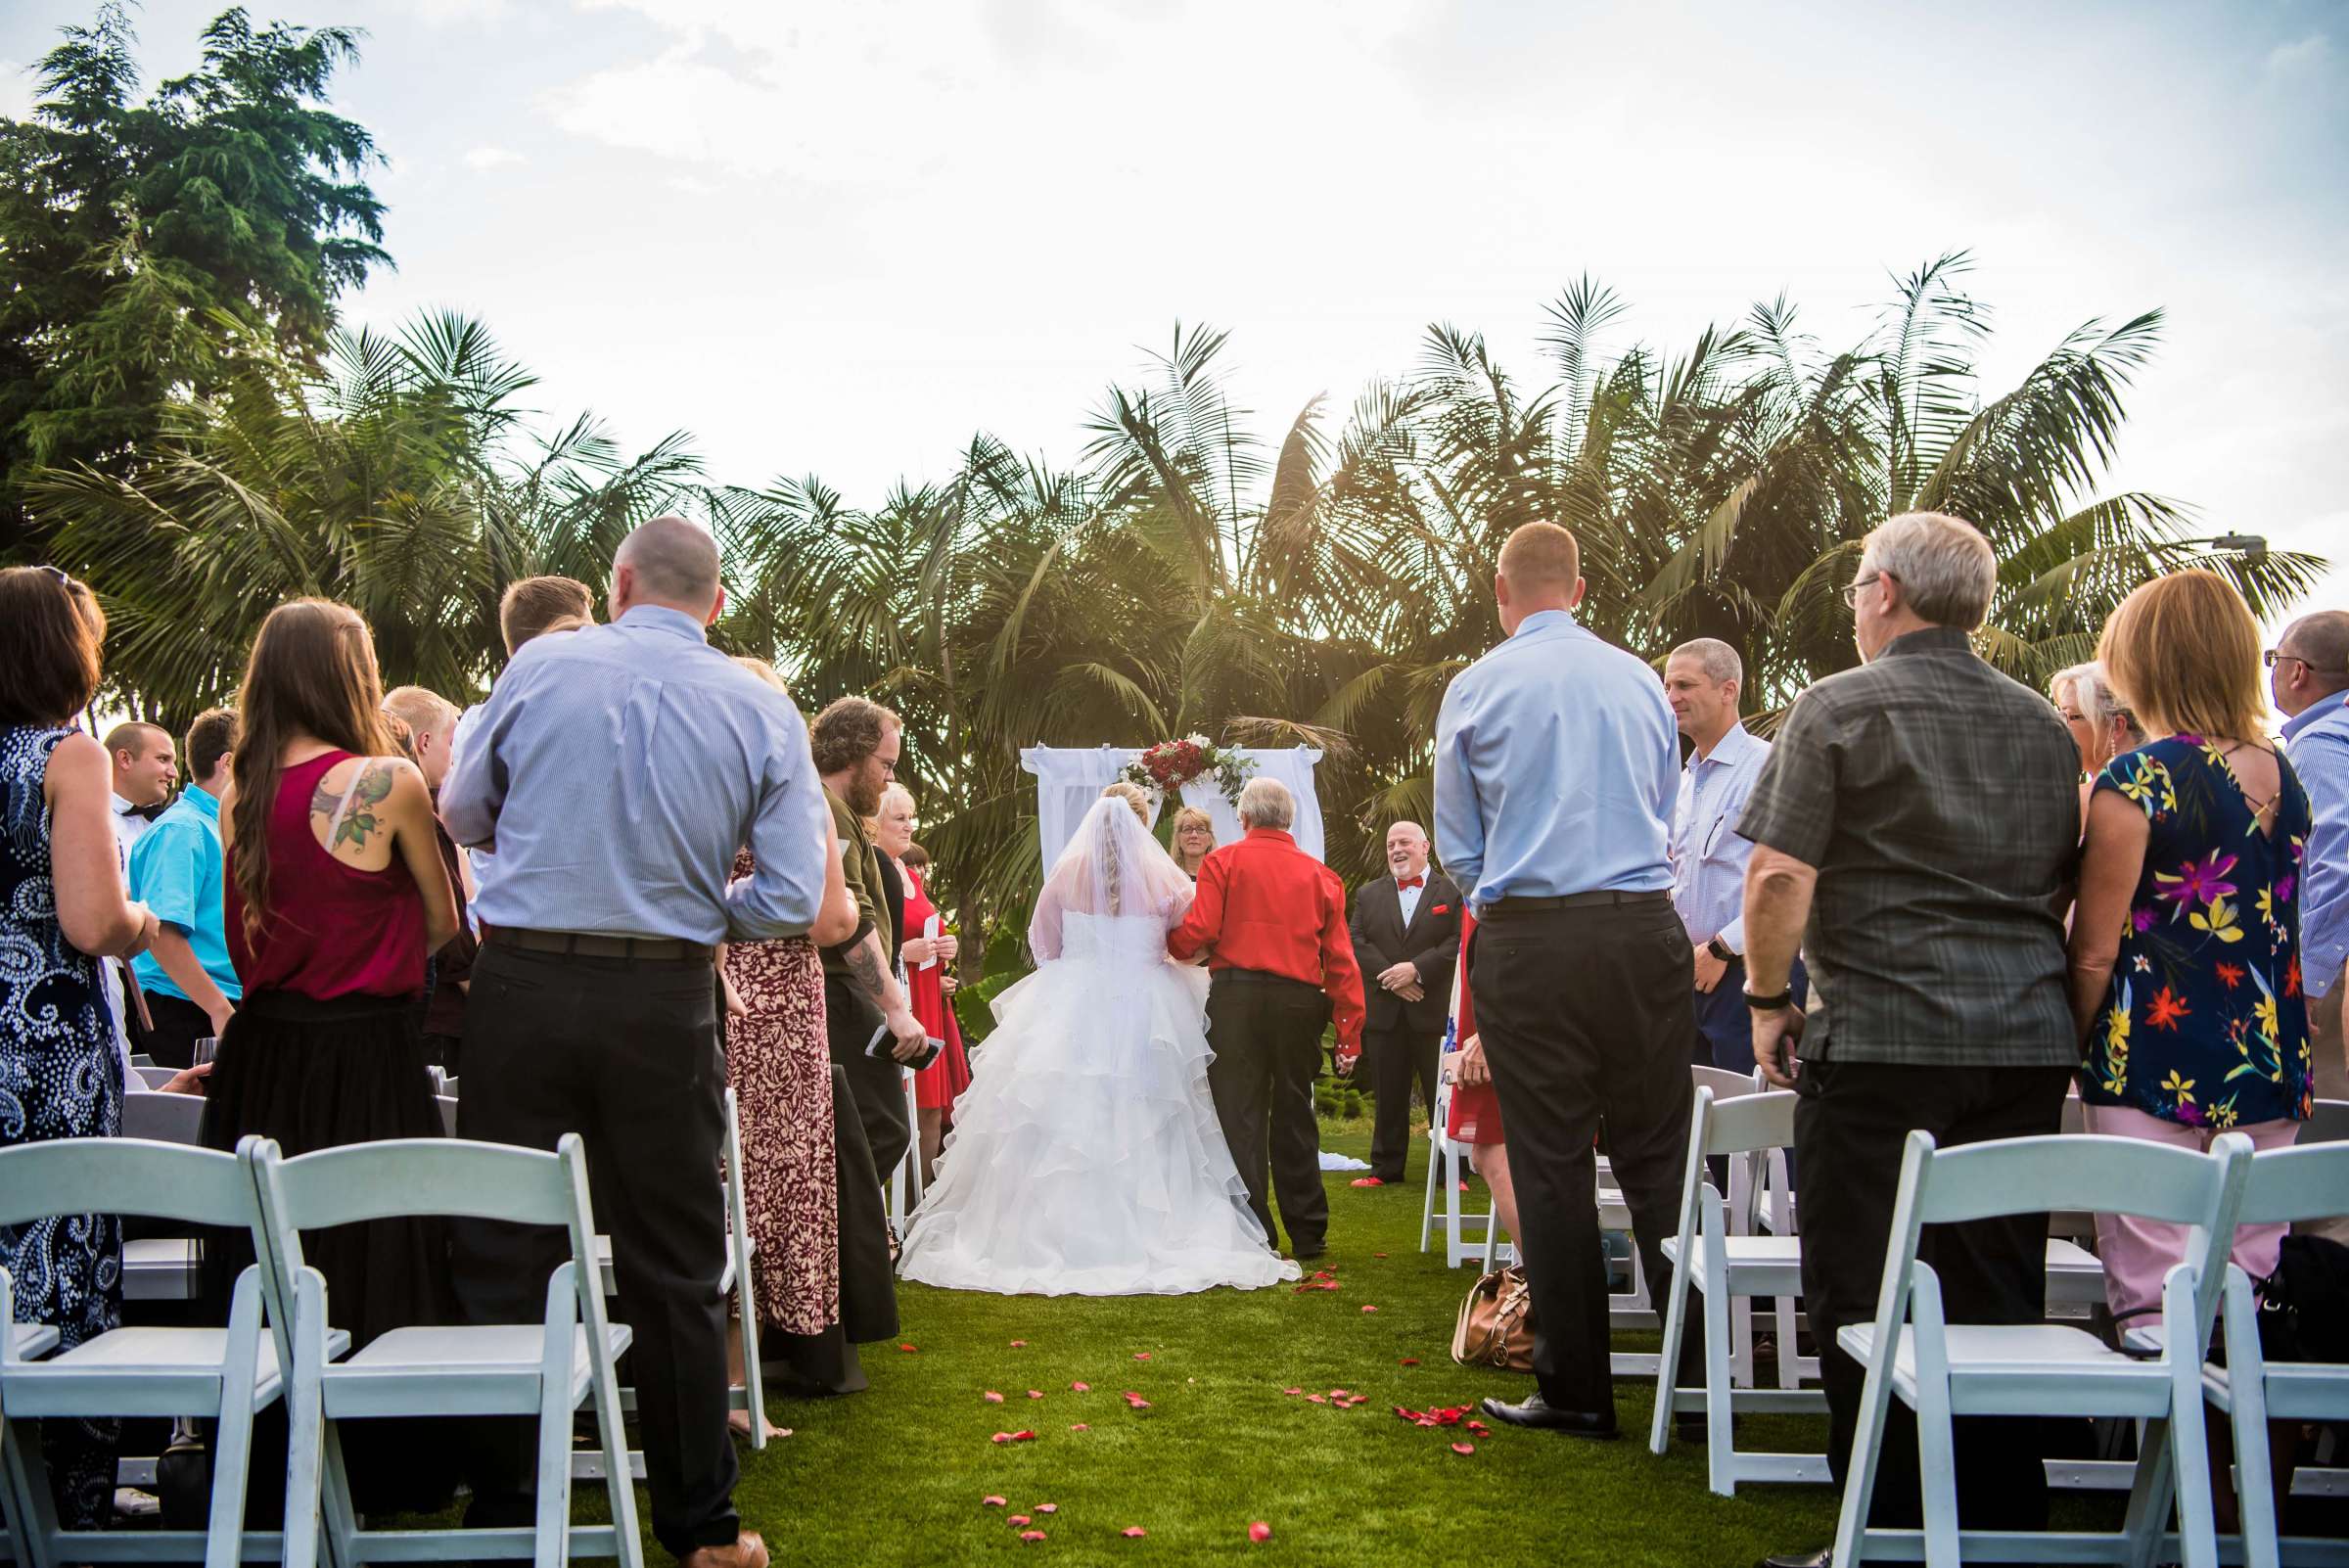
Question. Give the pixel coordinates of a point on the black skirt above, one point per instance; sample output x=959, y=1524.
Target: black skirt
x=316, y=1075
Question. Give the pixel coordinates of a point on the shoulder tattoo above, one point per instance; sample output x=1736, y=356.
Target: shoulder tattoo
x=360, y=821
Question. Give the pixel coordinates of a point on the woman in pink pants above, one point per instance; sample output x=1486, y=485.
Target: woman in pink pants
x=2185, y=949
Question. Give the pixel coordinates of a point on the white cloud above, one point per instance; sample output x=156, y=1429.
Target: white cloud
x=16, y=90
x=443, y=13
x=2304, y=57
x=489, y=158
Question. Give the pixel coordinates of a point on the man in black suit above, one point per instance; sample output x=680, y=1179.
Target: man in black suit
x=1407, y=933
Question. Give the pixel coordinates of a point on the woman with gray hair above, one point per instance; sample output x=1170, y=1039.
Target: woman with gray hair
x=2102, y=724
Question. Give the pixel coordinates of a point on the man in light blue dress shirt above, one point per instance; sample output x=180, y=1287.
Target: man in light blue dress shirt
x=2311, y=683
x=1557, y=764
x=1702, y=680
x=616, y=770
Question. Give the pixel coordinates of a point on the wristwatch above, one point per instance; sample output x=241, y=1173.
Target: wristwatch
x=1771, y=1004
x=1719, y=949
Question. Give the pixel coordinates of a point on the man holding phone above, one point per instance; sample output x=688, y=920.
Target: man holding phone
x=1920, y=815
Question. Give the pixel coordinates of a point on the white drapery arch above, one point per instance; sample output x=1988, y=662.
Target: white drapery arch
x=1070, y=779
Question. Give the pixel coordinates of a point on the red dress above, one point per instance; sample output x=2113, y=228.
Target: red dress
x=1475, y=1117
x=936, y=1087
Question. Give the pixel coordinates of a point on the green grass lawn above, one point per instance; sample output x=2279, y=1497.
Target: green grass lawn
x=896, y=1474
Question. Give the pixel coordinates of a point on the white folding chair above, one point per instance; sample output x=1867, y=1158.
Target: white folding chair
x=905, y=1187
x=160, y=1267
x=1717, y=1254
x=1945, y=1370
x=736, y=1280
x=1468, y=1238
x=154, y=1078
x=227, y=1373
x=548, y=1368
x=2327, y=1123
x=2285, y=1186
x=163, y=1118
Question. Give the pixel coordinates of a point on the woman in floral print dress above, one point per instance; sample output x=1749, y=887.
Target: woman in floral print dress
x=2185, y=951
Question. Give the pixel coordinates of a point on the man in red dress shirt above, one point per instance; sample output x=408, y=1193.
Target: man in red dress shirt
x=1272, y=921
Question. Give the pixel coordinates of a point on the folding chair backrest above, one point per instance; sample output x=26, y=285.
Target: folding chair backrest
x=154, y=1078
x=2101, y=1174
x=164, y=1118
x=124, y=1175
x=2289, y=1186
x=399, y=1177
x=1750, y=1122
x=1724, y=1084
x=2327, y=1123
x=2075, y=1117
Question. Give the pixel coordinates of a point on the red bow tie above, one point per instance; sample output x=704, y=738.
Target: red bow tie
x=1411, y=881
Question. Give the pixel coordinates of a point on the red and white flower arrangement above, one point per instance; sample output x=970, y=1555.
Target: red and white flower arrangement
x=1165, y=768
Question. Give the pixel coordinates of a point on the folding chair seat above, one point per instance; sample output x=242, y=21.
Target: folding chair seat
x=1943, y=1370
x=226, y=1373
x=549, y=1368
x=2285, y=1186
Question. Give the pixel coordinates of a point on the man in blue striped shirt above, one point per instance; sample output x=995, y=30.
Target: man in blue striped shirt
x=2311, y=683
x=1556, y=766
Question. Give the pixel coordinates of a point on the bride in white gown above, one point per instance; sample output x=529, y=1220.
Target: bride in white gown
x=1085, y=1157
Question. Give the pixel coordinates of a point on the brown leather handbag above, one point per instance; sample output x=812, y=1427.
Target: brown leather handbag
x=1496, y=1328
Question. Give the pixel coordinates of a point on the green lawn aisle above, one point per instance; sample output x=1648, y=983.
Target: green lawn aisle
x=896, y=1474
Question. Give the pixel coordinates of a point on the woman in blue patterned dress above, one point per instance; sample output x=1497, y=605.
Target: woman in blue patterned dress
x=61, y=909
x=2186, y=948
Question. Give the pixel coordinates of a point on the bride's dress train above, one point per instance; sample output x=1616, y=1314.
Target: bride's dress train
x=1086, y=1157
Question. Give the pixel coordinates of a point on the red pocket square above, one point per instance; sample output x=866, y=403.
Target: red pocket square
x=1443, y=909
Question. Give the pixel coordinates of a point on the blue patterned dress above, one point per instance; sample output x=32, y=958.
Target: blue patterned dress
x=61, y=1077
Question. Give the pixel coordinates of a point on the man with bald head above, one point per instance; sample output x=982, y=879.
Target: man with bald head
x=1556, y=768
x=616, y=769
x=2310, y=681
x=1407, y=937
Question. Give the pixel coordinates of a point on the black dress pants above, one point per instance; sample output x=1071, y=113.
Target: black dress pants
x=876, y=1084
x=1586, y=1017
x=1265, y=1031
x=1398, y=1058
x=178, y=1024
x=624, y=1052
x=1849, y=1128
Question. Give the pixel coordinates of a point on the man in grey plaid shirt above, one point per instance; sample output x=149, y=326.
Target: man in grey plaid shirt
x=1922, y=815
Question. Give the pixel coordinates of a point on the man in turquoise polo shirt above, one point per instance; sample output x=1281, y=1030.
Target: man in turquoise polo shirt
x=176, y=869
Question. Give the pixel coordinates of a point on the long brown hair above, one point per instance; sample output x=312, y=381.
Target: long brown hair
x=313, y=673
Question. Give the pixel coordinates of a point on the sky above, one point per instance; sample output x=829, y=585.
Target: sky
x=840, y=238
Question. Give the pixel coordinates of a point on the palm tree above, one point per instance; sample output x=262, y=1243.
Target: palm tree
x=400, y=479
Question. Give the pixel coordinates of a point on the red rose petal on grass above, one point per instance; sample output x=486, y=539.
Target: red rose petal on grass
x=1081, y=1427
x=1035, y=1393
x=991, y=1396
x=1259, y=1530
x=1133, y=1532
x=1463, y=1447
x=1032, y=1534
x=1017, y=1519
x=1048, y=1508
x=1408, y=1361
x=1141, y=1356
x=1366, y=1307
x=1378, y=1255
x=1316, y=1399
x=1323, y=1273
x=1019, y=1344
x=990, y=1502
x=1081, y=1388
x=1292, y=1392
x=907, y=1348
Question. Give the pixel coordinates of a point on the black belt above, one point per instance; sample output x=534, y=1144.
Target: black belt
x=600, y=945
x=1502, y=907
x=1261, y=977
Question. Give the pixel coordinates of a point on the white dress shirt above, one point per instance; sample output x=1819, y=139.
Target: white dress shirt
x=1408, y=898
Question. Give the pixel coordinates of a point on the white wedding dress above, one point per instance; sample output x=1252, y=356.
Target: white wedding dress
x=1085, y=1157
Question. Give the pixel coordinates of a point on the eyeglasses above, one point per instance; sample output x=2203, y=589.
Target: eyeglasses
x=1851, y=592
x=2274, y=656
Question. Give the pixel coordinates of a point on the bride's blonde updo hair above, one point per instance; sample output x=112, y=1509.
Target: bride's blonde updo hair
x=1133, y=794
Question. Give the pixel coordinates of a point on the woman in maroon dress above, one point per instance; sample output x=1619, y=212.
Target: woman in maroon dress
x=925, y=954
x=335, y=894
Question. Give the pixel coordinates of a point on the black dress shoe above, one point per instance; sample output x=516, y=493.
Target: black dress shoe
x=1824, y=1557
x=1536, y=1411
